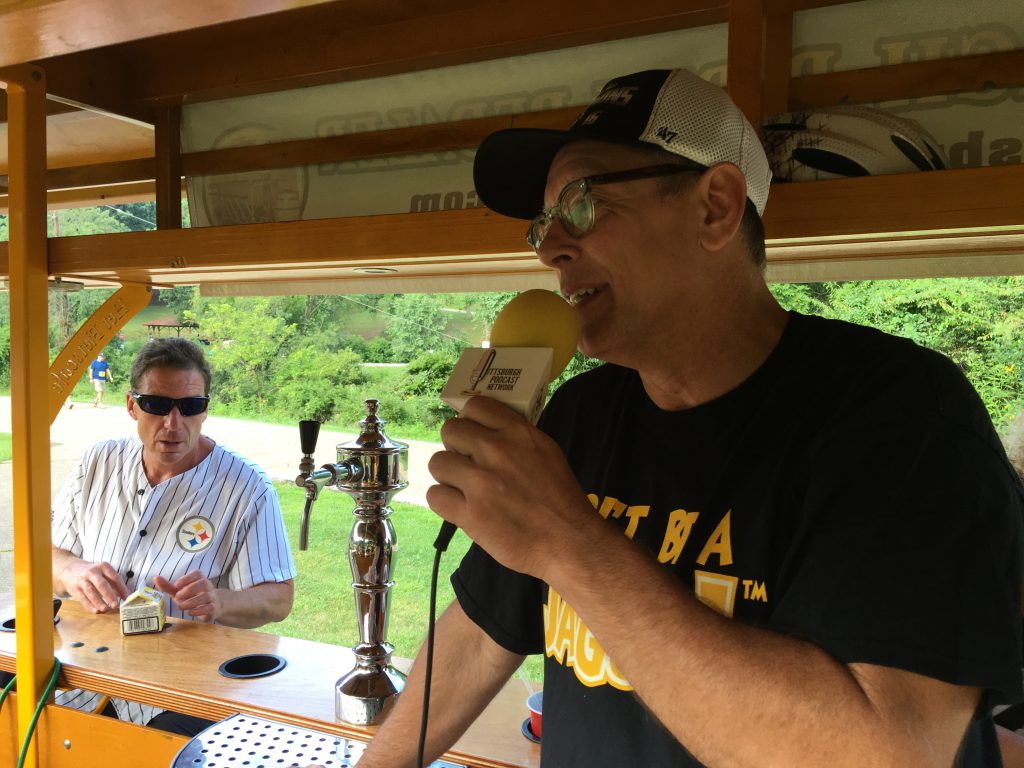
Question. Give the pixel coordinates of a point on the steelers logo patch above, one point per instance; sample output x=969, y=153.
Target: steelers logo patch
x=195, y=534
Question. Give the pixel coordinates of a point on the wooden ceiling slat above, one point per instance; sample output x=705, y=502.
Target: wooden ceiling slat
x=415, y=139
x=40, y=29
x=984, y=71
x=936, y=200
x=364, y=239
x=439, y=137
x=97, y=80
x=792, y=6
x=101, y=174
x=52, y=107
x=815, y=210
x=115, y=194
x=334, y=43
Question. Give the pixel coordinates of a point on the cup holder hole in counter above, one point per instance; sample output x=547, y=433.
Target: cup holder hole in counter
x=8, y=624
x=252, y=665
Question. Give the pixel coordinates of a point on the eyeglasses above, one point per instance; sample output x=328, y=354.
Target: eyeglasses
x=575, y=206
x=158, y=405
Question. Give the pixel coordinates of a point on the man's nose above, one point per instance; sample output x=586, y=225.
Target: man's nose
x=558, y=246
x=173, y=417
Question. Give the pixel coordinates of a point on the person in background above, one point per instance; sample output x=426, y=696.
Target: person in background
x=174, y=510
x=100, y=375
x=753, y=537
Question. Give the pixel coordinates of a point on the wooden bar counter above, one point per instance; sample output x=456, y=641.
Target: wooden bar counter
x=177, y=669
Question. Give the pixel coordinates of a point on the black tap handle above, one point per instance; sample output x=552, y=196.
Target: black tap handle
x=309, y=431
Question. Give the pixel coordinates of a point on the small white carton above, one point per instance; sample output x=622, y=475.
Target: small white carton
x=517, y=376
x=143, y=611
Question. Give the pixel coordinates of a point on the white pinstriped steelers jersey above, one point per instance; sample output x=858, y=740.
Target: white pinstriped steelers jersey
x=221, y=517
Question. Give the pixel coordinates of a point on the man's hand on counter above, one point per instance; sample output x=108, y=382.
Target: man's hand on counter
x=97, y=586
x=194, y=594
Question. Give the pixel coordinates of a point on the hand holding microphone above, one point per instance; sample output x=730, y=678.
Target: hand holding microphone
x=492, y=455
x=491, y=452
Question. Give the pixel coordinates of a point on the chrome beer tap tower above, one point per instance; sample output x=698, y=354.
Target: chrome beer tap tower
x=371, y=469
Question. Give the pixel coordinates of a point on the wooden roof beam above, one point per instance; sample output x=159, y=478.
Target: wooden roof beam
x=910, y=80
x=99, y=81
x=31, y=30
x=364, y=38
x=52, y=107
x=809, y=212
x=745, y=74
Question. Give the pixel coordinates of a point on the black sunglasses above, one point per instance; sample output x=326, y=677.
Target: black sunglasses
x=158, y=405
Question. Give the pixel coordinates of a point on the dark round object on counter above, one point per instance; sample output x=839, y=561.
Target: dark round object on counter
x=252, y=665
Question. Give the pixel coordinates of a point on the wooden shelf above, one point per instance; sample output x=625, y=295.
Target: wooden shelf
x=967, y=198
x=901, y=225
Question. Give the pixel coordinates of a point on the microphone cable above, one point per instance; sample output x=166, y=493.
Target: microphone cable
x=30, y=731
x=444, y=538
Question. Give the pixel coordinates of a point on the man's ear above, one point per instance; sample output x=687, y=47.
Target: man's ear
x=724, y=189
x=131, y=405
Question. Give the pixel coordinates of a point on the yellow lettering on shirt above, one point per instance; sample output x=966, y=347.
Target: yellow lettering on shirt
x=612, y=507
x=719, y=543
x=569, y=642
x=588, y=656
x=755, y=590
x=635, y=515
x=680, y=523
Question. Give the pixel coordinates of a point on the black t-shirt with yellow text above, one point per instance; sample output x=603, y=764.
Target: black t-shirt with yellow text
x=851, y=492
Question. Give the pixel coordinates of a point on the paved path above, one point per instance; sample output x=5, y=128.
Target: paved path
x=272, y=446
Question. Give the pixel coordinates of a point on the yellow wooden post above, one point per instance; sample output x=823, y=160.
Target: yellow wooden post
x=26, y=109
x=71, y=362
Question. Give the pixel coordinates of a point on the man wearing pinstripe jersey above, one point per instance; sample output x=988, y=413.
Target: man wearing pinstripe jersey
x=172, y=509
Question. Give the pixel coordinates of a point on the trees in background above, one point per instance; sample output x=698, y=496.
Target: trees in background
x=245, y=347
x=976, y=322
x=294, y=345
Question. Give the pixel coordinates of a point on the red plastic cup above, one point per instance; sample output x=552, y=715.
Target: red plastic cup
x=534, y=703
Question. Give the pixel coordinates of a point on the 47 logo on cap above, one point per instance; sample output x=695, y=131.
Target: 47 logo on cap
x=195, y=534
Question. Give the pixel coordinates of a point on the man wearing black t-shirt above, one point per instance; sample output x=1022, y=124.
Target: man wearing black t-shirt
x=753, y=538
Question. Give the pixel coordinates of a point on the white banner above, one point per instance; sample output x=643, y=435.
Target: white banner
x=983, y=128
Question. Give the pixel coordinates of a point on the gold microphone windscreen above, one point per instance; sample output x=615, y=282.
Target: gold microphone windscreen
x=538, y=318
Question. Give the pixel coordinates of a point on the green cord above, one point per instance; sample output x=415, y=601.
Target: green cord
x=39, y=708
x=7, y=690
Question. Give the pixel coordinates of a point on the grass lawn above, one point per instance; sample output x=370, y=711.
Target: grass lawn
x=113, y=395
x=324, y=603
x=5, y=446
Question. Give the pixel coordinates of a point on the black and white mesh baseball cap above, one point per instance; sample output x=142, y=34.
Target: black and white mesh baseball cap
x=668, y=108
